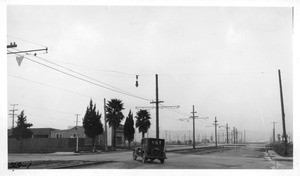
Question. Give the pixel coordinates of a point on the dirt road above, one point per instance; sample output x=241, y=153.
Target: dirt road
x=234, y=158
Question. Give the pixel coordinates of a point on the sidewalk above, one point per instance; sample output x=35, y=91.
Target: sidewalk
x=274, y=156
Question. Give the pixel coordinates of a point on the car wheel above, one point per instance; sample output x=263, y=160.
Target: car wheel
x=162, y=161
x=134, y=156
x=144, y=159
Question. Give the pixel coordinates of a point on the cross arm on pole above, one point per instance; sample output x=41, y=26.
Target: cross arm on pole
x=144, y=107
x=152, y=102
x=152, y=107
x=12, y=45
x=184, y=119
x=196, y=117
x=27, y=51
x=174, y=107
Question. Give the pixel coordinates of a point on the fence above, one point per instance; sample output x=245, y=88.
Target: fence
x=45, y=145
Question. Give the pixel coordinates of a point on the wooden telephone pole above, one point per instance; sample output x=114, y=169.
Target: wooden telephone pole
x=194, y=117
x=274, y=139
x=216, y=139
x=234, y=135
x=13, y=115
x=77, y=119
x=156, y=102
x=77, y=147
x=283, y=115
x=105, y=126
x=227, y=128
x=194, y=126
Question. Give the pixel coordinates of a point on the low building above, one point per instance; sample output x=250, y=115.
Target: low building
x=120, y=139
x=69, y=133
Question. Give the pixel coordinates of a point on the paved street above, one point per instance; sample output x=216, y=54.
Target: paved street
x=239, y=158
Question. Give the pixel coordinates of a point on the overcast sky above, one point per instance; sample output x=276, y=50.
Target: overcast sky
x=223, y=60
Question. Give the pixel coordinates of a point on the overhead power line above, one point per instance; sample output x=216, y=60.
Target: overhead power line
x=46, y=85
x=46, y=109
x=221, y=73
x=76, y=93
x=74, y=76
x=99, y=70
x=80, y=74
x=76, y=72
x=178, y=112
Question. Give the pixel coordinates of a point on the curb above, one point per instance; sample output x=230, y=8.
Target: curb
x=276, y=157
x=86, y=164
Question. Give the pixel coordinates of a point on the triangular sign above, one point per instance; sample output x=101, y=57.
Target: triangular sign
x=19, y=60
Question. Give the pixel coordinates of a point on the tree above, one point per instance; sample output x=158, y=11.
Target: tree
x=114, y=117
x=129, y=128
x=22, y=131
x=92, y=124
x=143, y=121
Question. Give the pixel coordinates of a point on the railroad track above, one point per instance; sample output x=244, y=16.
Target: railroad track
x=202, y=150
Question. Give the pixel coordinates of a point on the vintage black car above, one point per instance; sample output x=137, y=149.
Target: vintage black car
x=151, y=149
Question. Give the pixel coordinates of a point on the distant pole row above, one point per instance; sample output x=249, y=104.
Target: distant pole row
x=13, y=114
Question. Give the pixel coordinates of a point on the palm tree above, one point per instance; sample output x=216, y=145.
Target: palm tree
x=143, y=121
x=114, y=117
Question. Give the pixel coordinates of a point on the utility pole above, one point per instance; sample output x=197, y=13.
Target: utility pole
x=282, y=113
x=156, y=103
x=241, y=137
x=194, y=126
x=193, y=117
x=227, y=141
x=227, y=138
x=245, y=136
x=77, y=132
x=77, y=119
x=234, y=135
x=157, y=106
x=237, y=136
x=13, y=114
x=105, y=126
x=216, y=140
x=274, y=140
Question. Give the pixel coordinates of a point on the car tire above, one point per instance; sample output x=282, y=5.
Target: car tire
x=134, y=156
x=162, y=161
x=144, y=159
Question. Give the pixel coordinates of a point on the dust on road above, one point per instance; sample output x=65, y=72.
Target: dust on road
x=229, y=158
